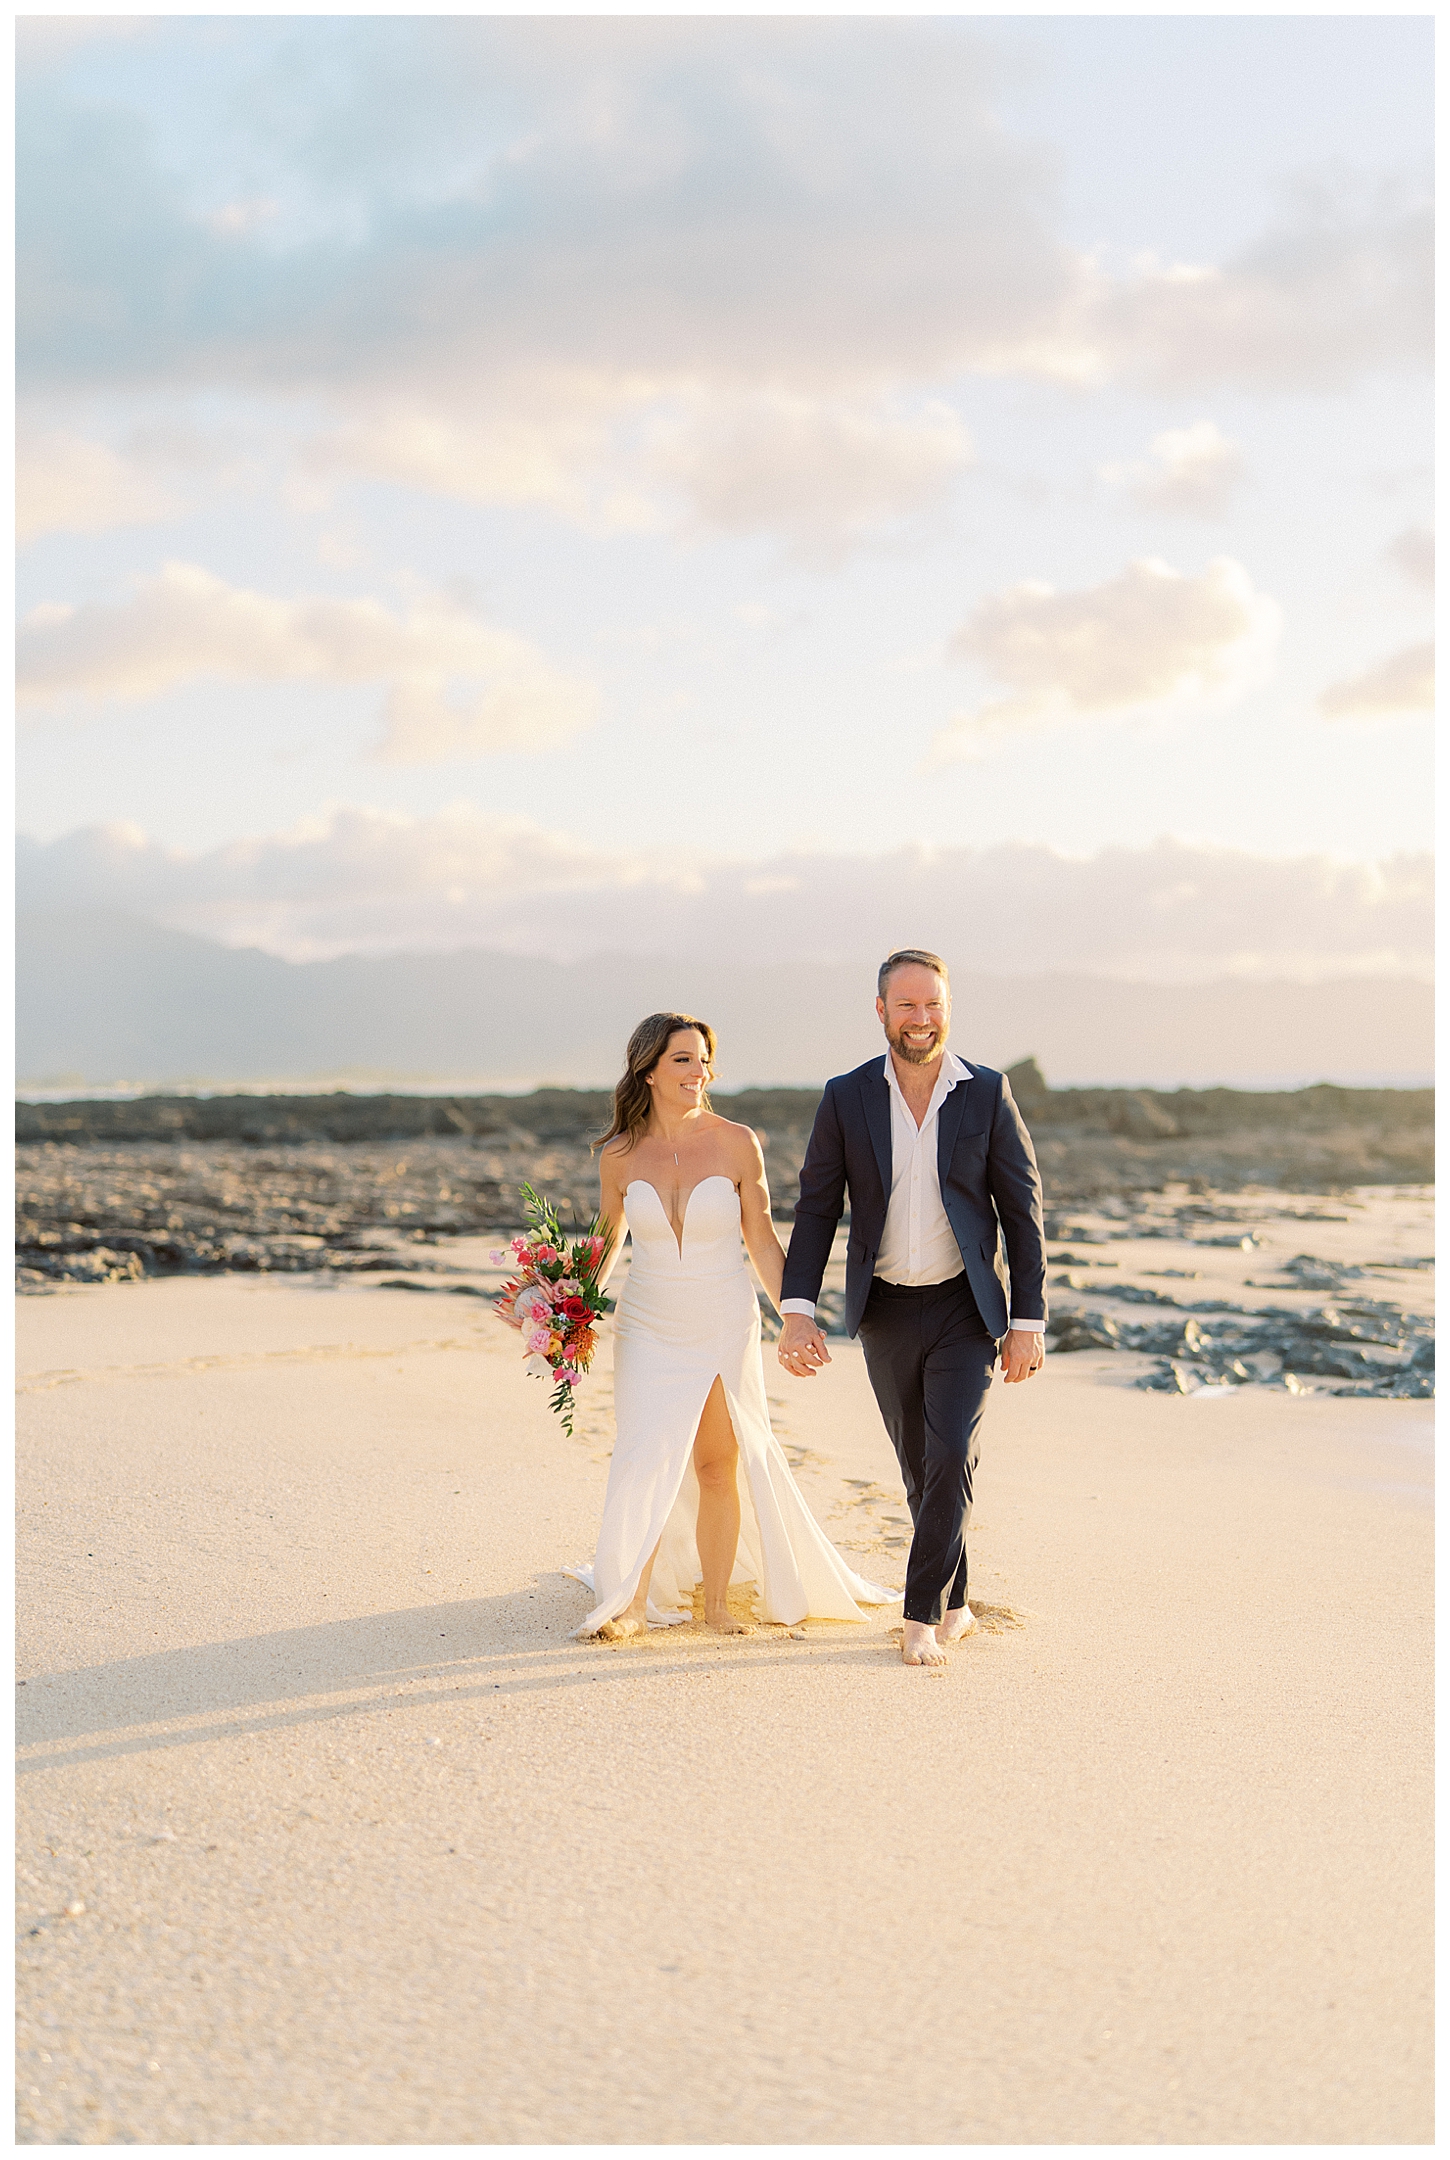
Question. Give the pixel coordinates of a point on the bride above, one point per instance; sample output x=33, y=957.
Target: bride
x=689, y=1390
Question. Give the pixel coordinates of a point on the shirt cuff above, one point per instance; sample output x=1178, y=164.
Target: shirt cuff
x=798, y=1304
x=1027, y=1327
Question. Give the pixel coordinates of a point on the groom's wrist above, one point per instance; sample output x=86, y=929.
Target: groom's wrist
x=805, y=1306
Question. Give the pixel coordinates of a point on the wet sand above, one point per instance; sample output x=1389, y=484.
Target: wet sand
x=370, y=1850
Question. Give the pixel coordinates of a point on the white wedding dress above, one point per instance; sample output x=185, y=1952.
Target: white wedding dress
x=688, y=1313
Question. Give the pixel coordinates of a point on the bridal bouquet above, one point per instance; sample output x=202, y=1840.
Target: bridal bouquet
x=554, y=1299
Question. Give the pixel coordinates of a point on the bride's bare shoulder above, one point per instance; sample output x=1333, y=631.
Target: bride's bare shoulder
x=742, y=1140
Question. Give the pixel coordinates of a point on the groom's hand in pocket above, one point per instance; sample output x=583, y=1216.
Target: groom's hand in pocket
x=802, y=1346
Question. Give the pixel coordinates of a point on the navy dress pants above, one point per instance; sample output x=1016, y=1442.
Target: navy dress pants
x=930, y=1359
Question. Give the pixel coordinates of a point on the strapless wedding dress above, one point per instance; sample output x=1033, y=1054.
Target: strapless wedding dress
x=688, y=1313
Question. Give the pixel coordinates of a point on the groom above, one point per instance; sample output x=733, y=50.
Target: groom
x=936, y=1157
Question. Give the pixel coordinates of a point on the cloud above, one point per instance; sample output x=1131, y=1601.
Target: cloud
x=1196, y=470
x=64, y=483
x=438, y=209
x=243, y=216
x=710, y=275
x=155, y=469
x=1405, y=682
x=822, y=473
x=617, y=454
x=355, y=879
x=43, y=41
x=363, y=881
x=1341, y=288
x=456, y=687
x=812, y=204
x=1412, y=553
x=1145, y=638
x=547, y=437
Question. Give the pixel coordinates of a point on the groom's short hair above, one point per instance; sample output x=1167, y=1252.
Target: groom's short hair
x=910, y=956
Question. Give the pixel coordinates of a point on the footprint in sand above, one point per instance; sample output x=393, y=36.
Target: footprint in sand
x=990, y=1619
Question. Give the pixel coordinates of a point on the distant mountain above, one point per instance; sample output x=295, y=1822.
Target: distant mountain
x=107, y=1000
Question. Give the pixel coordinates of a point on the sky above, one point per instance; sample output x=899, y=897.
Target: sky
x=778, y=486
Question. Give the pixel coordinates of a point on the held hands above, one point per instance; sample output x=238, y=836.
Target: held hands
x=802, y=1347
x=1022, y=1353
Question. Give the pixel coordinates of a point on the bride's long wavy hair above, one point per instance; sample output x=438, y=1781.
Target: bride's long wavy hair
x=646, y=1046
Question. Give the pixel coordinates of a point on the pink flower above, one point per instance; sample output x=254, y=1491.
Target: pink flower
x=567, y=1372
x=566, y=1287
x=544, y=1256
x=538, y=1338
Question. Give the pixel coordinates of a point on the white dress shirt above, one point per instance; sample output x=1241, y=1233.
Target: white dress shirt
x=918, y=1244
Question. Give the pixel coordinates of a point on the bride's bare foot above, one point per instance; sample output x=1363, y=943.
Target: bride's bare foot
x=721, y=1621
x=957, y=1622
x=622, y=1627
x=919, y=1645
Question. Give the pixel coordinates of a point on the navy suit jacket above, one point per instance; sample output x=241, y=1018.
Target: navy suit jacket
x=988, y=1176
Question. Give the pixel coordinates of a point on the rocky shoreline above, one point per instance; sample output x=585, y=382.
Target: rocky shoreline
x=1354, y=1344
x=251, y=1172
x=1099, y=1139
x=396, y=1187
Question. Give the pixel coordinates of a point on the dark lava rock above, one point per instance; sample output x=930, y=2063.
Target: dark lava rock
x=1140, y=1117
x=1369, y=1347
x=1083, y=1331
x=1028, y=1084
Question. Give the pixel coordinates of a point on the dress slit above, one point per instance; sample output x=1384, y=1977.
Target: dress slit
x=695, y=1429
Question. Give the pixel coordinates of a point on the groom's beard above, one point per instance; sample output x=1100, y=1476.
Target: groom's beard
x=918, y=1053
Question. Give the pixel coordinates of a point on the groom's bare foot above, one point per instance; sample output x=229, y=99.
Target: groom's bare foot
x=919, y=1645
x=957, y=1622
x=623, y=1626
x=722, y=1621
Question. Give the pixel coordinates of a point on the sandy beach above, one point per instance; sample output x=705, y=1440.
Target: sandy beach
x=576, y=570
x=330, y=1833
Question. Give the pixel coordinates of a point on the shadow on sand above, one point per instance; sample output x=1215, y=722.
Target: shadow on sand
x=477, y=1649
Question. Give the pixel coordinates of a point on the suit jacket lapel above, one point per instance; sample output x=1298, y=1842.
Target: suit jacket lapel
x=877, y=1097
x=948, y=1125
